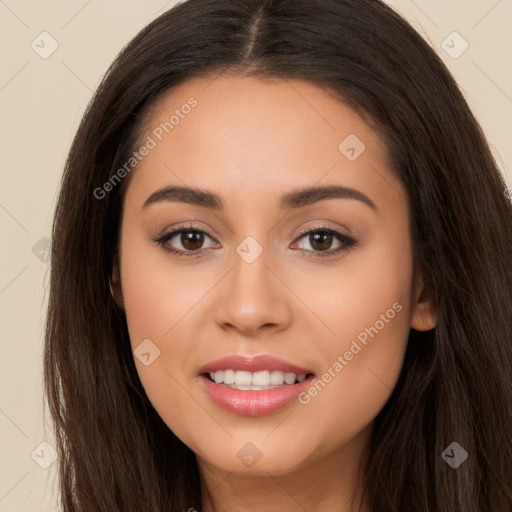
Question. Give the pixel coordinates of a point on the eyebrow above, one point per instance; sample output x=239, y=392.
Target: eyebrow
x=298, y=198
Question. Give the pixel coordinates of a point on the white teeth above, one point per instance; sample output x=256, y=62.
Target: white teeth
x=277, y=378
x=261, y=378
x=264, y=379
x=229, y=377
x=290, y=378
x=242, y=378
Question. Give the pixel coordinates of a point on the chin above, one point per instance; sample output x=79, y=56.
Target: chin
x=257, y=458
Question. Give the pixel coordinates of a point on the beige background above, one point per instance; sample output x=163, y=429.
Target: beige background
x=41, y=103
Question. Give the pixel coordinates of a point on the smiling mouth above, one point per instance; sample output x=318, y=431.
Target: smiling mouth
x=256, y=381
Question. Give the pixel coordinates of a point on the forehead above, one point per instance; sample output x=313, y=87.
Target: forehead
x=243, y=134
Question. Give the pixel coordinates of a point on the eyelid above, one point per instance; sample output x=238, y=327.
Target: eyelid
x=172, y=231
x=347, y=241
x=187, y=226
x=323, y=226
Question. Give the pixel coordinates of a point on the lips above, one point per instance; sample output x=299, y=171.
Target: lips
x=288, y=381
x=253, y=364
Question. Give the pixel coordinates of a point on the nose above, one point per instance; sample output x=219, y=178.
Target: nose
x=253, y=297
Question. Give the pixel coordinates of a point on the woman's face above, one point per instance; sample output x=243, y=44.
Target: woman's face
x=265, y=273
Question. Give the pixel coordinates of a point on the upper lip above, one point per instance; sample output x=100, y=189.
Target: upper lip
x=252, y=364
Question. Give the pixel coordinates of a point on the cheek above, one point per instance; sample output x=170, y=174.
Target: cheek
x=157, y=303
x=160, y=301
x=369, y=313
x=359, y=378
x=158, y=293
x=353, y=296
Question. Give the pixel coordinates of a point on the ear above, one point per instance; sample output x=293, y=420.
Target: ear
x=424, y=311
x=115, y=281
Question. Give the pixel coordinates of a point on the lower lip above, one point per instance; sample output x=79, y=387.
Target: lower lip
x=254, y=402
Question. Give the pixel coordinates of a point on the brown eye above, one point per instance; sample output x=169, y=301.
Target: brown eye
x=320, y=240
x=185, y=241
x=192, y=240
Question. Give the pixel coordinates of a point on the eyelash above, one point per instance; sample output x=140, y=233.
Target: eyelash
x=347, y=242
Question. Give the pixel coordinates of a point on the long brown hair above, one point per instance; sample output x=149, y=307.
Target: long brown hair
x=114, y=451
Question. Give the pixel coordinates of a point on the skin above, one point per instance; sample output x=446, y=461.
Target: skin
x=250, y=141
